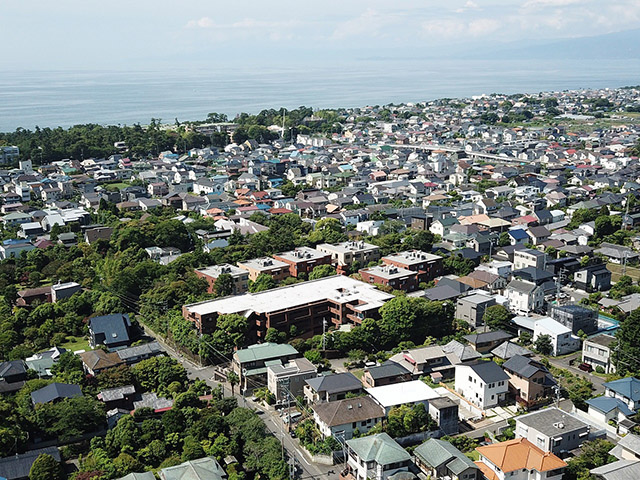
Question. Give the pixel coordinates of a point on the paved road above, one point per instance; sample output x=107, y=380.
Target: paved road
x=304, y=467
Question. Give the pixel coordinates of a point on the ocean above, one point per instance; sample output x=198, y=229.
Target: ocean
x=65, y=98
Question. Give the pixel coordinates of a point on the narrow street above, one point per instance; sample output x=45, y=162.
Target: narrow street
x=305, y=468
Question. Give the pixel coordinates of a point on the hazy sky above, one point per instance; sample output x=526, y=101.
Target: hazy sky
x=143, y=34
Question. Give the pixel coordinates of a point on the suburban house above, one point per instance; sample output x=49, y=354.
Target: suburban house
x=55, y=392
x=342, y=418
x=287, y=381
x=206, y=468
x=626, y=389
x=524, y=297
x=385, y=374
x=562, y=340
x=239, y=276
x=484, y=342
x=13, y=375
x=611, y=411
x=528, y=257
x=444, y=412
x=596, y=351
x=250, y=364
x=529, y=380
x=576, y=318
x=18, y=466
x=376, y=457
x=406, y=393
x=425, y=361
x=627, y=451
x=594, y=278
x=472, y=307
x=329, y=388
x=112, y=331
x=518, y=459
x=438, y=459
x=484, y=384
x=96, y=361
x=552, y=430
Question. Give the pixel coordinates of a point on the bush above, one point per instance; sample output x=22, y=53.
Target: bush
x=599, y=369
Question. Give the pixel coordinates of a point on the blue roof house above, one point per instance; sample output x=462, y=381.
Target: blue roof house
x=607, y=409
x=112, y=331
x=625, y=389
x=518, y=236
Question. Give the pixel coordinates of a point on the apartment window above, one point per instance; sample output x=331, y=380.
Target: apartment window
x=492, y=397
x=470, y=379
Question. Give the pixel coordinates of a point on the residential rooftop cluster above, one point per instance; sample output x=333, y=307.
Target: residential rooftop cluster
x=459, y=267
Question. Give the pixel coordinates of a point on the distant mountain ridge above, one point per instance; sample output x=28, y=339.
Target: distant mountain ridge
x=619, y=45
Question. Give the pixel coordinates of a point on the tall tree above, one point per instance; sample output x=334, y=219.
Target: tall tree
x=45, y=467
x=497, y=317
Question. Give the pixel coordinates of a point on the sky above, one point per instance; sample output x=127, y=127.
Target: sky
x=150, y=34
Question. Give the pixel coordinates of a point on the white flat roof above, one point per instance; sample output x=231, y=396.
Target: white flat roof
x=302, y=254
x=389, y=272
x=263, y=263
x=347, y=247
x=551, y=325
x=401, y=393
x=216, y=270
x=338, y=288
x=412, y=256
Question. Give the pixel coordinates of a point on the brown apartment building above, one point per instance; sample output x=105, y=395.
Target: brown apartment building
x=391, y=276
x=337, y=299
x=211, y=274
x=426, y=265
x=303, y=260
x=346, y=254
x=268, y=266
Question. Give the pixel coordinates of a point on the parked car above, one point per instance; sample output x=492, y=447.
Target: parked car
x=585, y=367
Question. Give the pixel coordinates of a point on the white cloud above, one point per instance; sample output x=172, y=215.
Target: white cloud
x=450, y=28
x=204, y=22
x=538, y=4
x=470, y=5
x=483, y=26
x=369, y=23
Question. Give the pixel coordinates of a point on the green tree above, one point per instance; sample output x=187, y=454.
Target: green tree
x=45, y=467
x=458, y=265
x=263, y=282
x=497, y=317
x=322, y=271
x=224, y=285
x=230, y=333
x=233, y=379
x=627, y=354
x=543, y=344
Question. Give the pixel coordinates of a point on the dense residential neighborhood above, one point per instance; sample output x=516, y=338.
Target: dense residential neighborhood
x=444, y=290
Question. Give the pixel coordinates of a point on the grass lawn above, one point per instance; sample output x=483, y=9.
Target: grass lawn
x=76, y=343
x=358, y=372
x=119, y=185
x=473, y=455
x=616, y=272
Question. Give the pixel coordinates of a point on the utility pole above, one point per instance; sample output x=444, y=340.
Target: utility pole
x=559, y=284
x=324, y=334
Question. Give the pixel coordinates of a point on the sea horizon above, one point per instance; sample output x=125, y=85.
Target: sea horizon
x=62, y=98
